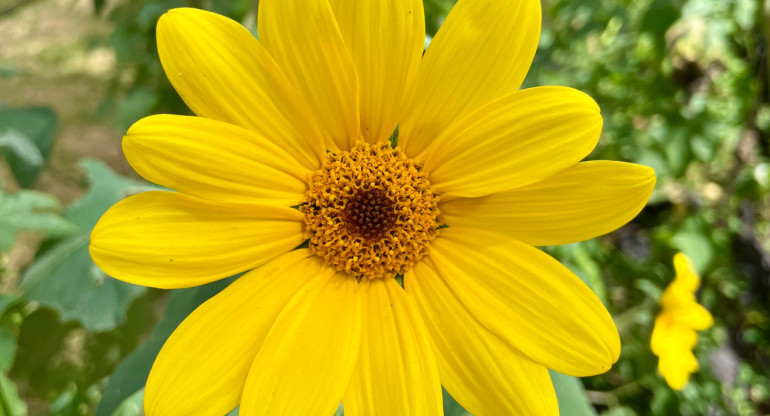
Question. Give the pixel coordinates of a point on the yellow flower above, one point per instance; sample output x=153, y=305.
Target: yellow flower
x=673, y=336
x=291, y=145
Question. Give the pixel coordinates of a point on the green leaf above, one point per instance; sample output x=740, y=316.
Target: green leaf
x=30, y=210
x=451, y=407
x=26, y=138
x=132, y=406
x=10, y=402
x=7, y=349
x=137, y=104
x=6, y=72
x=107, y=188
x=64, y=277
x=66, y=280
x=696, y=246
x=571, y=395
x=20, y=150
x=131, y=374
x=7, y=301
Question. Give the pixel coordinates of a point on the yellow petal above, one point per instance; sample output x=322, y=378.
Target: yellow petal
x=222, y=72
x=483, y=373
x=581, y=202
x=482, y=52
x=668, y=336
x=677, y=297
x=515, y=141
x=693, y=316
x=676, y=368
x=385, y=40
x=202, y=368
x=396, y=372
x=680, y=294
x=686, y=276
x=673, y=344
x=169, y=240
x=529, y=300
x=305, y=41
x=681, y=309
x=213, y=160
x=307, y=360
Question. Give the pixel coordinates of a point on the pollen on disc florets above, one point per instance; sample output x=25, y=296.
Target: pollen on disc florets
x=370, y=211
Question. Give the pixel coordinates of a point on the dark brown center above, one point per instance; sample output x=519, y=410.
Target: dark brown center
x=369, y=214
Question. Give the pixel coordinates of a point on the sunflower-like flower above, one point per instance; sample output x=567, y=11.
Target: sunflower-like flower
x=291, y=145
x=673, y=336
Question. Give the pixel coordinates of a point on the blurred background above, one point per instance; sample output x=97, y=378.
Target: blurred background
x=683, y=88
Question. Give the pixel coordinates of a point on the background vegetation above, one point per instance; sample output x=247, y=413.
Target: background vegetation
x=683, y=87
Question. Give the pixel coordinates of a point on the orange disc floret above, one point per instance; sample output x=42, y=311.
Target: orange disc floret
x=370, y=211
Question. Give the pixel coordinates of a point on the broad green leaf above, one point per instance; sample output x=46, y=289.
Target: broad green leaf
x=66, y=279
x=6, y=301
x=571, y=395
x=451, y=407
x=137, y=104
x=107, y=188
x=132, y=406
x=8, y=72
x=7, y=349
x=10, y=402
x=131, y=374
x=26, y=138
x=30, y=210
x=21, y=150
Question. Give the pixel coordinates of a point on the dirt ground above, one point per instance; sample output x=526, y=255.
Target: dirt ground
x=48, y=44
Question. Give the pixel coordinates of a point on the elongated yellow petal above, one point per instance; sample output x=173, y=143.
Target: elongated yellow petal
x=687, y=277
x=482, y=52
x=673, y=344
x=529, y=300
x=673, y=336
x=693, y=316
x=515, y=141
x=202, y=368
x=581, y=202
x=483, y=373
x=679, y=296
x=169, y=240
x=306, y=362
x=396, y=372
x=385, y=40
x=677, y=367
x=222, y=72
x=668, y=336
x=305, y=41
x=213, y=160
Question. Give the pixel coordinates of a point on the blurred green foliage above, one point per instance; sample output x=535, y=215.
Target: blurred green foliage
x=26, y=138
x=683, y=88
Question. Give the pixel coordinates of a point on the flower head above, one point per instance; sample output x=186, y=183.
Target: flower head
x=673, y=336
x=290, y=145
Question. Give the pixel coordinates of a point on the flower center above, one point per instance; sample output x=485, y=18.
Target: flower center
x=369, y=214
x=370, y=211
